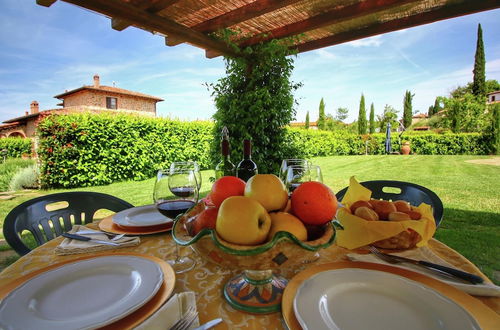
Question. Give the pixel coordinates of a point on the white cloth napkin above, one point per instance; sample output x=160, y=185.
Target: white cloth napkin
x=73, y=246
x=424, y=253
x=171, y=312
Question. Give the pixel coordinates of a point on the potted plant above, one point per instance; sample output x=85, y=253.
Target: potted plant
x=405, y=148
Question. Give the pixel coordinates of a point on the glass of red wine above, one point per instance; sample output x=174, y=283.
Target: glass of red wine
x=175, y=192
x=296, y=175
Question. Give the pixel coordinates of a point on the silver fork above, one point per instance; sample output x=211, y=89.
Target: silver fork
x=439, y=269
x=186, y=320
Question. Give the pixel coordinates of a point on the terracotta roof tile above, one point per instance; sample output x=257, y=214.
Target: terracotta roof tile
x=109, y=89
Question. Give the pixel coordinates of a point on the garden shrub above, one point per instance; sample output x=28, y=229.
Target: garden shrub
x=97, y=149
x=10, y=168
x=89, y=149
x=16, y=146
x=25, y=178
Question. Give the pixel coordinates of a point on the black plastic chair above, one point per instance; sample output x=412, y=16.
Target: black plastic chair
x=77, y=207
x=410, y=192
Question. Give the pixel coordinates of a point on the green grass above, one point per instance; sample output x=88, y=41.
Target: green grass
x=470, y=194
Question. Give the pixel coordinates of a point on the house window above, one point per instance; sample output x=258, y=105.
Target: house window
x=493, y=98
x=111, y=103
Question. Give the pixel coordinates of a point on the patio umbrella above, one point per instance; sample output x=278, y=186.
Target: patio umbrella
x=388, y=148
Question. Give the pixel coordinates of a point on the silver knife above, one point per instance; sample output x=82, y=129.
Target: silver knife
x=84, y=238
x=209, y=324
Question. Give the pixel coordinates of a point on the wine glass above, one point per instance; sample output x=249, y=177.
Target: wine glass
x=175, y=192
x=315, y=173
x=289, y=162
x=295, y=176
x=188, y=165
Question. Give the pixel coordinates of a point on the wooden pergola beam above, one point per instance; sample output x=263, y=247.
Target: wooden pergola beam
x=45, y=3
x=119, y=9
x=333, y=16
x=153, y=8
x=443, y=13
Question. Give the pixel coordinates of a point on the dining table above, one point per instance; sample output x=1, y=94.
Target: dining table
x=207, y=279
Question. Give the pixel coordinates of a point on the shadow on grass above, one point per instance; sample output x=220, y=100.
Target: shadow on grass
x=475, y=235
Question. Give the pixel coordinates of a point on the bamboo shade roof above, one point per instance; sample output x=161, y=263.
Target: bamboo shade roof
x=319, y=23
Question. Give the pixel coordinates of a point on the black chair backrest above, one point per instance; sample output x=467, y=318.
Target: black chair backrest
x=410, y=192
x=77, y=207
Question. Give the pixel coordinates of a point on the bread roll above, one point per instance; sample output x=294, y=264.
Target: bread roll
x=402, y=206
x=398, y=216
x=383, y=208
x=357, y=204
x=366, y=213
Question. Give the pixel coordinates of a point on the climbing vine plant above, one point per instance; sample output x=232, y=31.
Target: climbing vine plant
x=255, y=100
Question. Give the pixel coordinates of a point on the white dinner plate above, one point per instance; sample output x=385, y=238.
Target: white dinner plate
x=82, y=295
x=140, y=216
x=368, y=299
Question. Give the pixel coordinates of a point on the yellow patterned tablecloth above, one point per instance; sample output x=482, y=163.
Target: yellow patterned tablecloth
x=207, y=280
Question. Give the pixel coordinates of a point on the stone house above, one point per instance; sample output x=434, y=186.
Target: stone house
x=493, y=97
x=93, y=98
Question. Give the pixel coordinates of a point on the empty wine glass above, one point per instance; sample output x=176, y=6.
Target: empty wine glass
x=175, y=192
x=289, y=162
x=188, y=165
x=315, y=173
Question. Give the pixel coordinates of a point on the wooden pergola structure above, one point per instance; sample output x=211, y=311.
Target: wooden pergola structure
x=319, y=23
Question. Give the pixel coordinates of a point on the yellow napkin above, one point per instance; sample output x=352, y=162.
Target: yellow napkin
x=359, y=232
x=171, y=312
x=72, y=246
x=424, y=253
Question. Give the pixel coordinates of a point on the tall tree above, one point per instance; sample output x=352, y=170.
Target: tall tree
x=322, y=116
x=478, y=84
x=307, y=120
x=362, y=116
x=437, y=106
x=342, y=114
x=372, y=119
x=407, y=109
x=431, y=111
x=390, y=115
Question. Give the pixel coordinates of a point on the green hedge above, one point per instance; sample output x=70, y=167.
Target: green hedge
x=87, y=149
x=16, y=146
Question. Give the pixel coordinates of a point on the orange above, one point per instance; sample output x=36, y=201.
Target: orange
x=314, y=203
x=225, y=187
x=206, y=219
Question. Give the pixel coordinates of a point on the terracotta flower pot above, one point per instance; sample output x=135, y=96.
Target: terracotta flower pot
x=405, y=149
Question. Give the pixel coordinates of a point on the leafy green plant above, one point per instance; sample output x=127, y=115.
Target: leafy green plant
x=11, y=167
x=25, y=178
x=255, y=101
x=95, y=149
x=16, y=146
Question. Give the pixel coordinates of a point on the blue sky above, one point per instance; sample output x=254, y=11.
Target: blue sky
x=45, y=51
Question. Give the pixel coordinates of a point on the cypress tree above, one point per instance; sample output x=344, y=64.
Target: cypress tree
x=372, y=119
x=307, y=120
x=430, y=112
x=322, y=116
x=437, y=107
x=478, y=84
x=408, y=111
x=362, y=116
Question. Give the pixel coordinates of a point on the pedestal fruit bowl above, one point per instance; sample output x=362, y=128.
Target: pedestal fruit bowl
x=256, y=289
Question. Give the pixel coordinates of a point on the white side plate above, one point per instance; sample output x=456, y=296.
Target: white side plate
x=83, y=295
x=368, y=299
x=140, y=216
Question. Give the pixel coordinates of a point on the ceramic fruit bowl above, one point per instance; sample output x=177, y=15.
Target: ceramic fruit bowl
x=257, y=289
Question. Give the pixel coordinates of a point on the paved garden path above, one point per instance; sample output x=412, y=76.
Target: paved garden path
x=486, y=161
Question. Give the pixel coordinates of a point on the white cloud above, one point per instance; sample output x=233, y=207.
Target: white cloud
x=374, y=41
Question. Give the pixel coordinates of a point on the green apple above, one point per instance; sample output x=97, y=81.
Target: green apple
x=242, y=220
x=268, y=190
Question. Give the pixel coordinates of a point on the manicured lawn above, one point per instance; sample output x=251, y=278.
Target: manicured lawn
x=470, y=194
